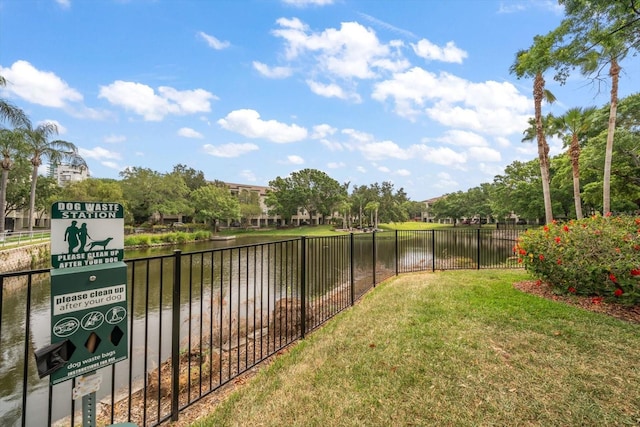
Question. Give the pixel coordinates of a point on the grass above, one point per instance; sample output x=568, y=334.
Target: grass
x=449, y=349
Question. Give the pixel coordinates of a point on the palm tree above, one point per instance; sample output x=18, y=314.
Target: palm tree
x=39, y=146
x=602, y=32
x=532, y=63
x=372, y=208
x=574, y=124
x=10, y=144
x=10, y=112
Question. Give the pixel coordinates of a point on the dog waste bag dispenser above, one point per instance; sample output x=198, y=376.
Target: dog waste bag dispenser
x=88, y=290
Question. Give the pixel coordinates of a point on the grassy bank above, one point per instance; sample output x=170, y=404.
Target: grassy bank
x=450, y=348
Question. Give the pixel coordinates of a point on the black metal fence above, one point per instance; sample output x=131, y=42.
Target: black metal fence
x=199, y=320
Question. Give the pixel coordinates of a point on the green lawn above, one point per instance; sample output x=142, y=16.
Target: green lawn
x=455, y=348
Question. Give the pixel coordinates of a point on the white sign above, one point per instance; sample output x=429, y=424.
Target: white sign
x=86, y=385
x=86, y=234
x=83, y=300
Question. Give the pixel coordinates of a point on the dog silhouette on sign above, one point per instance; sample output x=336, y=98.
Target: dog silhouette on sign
x=98, y=243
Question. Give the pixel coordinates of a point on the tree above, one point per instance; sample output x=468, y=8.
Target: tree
x=214, y=203
x=249, y=205
x=192, y=178
x=11, y=113
x=575, y=125
x=344, y=207
x=318, y=191
x=39, y=146
x=625, y=171
x=309, y=189
x=149, y=192
x=533, y=63
x=282, y=198
x=11, y=143
x=372, y=209
x=602, y=32
x=518, y=190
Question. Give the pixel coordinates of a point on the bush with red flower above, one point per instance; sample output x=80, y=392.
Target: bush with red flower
x=597, y=256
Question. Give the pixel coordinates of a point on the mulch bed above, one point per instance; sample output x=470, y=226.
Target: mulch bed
x=624, y=312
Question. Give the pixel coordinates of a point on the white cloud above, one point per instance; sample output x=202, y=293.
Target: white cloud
x=524, y=5
x=229, y=150
x=295, y=160
x=361, y=169
x=65, y=4
x=248, y=123
x=384, y=169
x=484, y=154
x=304, y=3
x=441, y=155
x=272, y=72
x=388, y=26
x=111, y=165
x=384, y=150
x=445, y=181
x=403, y=172
x=99, y=153
x=144, y=101
x=352, y=51
x=331, y=90
x=449, y=53
x=190, y=133
x=38, y=87
x=463, y=138
x=335, y=165
x=489, y=107
x=248, y=175
x=213, y=42
x=114, y=139
x=322, y=131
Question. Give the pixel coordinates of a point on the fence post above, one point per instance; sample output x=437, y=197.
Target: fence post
x=175, y=335
x=396, y=252
x=478, y=254
x=433, y=250
x=375, y=256
x=352, y=267
x=303, y=284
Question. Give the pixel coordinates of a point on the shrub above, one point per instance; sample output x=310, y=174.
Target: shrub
x=597, y=256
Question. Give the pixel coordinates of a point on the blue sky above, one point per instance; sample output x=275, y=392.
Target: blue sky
x=416, y=92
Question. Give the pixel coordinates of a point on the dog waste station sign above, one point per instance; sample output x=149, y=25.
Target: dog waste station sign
x=88, y=290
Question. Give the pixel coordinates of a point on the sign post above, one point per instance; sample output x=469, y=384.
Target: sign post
x=88, y=293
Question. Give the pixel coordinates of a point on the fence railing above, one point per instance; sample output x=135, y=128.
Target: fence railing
x=11, y=238
x=199, y=320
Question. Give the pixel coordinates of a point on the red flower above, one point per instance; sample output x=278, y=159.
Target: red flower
x=554, y=221
x=559, y=261
x=572, y=289
x=613, y=278
x=522, y=252
x=635, y=272
x=557, y=239
x=538, y=282
x=566, y=228
x=618, y=292
x=617, y=250
x=519, y=260
x=546, y=229
x=596, y=300
x=637, y=221
x=637, y=247
x=541, y=257
x=608, y=214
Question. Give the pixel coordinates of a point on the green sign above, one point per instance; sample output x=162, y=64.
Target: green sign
x=88, y=286
x=89, y=311
x=86, y=234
